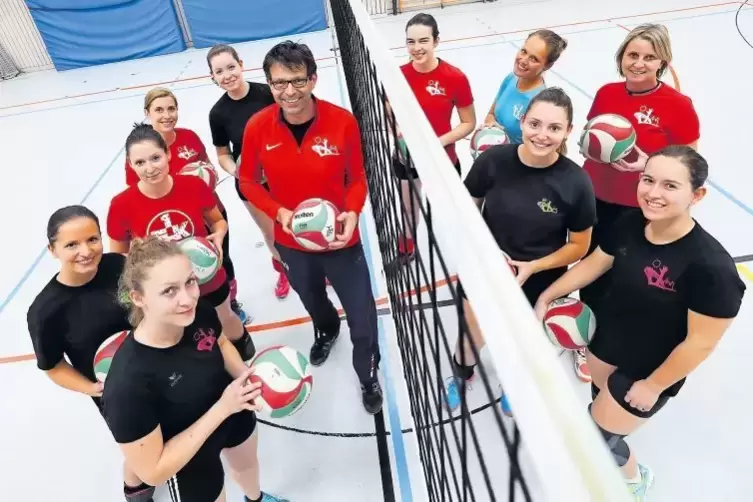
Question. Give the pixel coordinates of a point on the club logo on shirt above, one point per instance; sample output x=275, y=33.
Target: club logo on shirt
x=656, y=274
x=322, y=147
x=171, y=225
x=547, y=206
x=186, y=154
x=646, y=116
x=204, y=340
x=435, y=89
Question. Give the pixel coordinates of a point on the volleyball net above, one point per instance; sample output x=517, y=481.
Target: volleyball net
x=550, y=450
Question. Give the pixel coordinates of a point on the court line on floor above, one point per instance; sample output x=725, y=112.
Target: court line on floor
x=445, y=41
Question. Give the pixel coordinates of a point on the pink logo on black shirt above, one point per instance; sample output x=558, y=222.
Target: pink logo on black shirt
x=657, y=276
x=204, y=340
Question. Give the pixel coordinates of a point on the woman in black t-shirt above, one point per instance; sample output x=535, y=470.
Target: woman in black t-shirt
x=539, y=206
x=177, y=394
x=227, y=121
x=674, y=292
x=77, y=310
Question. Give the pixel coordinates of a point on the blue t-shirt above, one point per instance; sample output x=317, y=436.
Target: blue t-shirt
x=510, y=104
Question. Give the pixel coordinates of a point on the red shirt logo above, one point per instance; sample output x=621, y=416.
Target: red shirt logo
x=171, y=225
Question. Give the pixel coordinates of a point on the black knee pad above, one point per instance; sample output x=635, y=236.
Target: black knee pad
x=245, y=346
x=616, y=443
x=141, y=493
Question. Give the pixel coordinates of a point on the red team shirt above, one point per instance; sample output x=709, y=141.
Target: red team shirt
x=174, y=217
x=661, y=118
x=438, y=92
x=328, y=164
x=186, y=149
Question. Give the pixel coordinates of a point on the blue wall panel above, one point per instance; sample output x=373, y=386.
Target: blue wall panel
x=80, y=33
x=232, y=21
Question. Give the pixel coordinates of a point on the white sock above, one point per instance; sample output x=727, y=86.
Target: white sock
x=636, y=479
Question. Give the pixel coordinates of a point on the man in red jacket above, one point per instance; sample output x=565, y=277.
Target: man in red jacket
x=310, y=148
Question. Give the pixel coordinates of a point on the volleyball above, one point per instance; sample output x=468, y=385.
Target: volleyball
x=607, y=138
x=402, y=149
x=315, y=224
x=487, y=137
x=105, y=353
x=569, y=323
x=286, y=380
x=204, y=256
x=203, y=170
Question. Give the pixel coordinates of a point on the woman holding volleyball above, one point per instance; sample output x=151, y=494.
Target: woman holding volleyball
x=186, y=149
x=673, y=293
x=227, y=120
x=174, y=208
x=77, y=310
x=660, y=115
x=539, y=206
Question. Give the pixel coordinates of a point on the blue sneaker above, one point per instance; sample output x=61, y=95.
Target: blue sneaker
x=638, y=490
x=452, y=388
x=242, y=315
x=505, y=404
x=266, y=497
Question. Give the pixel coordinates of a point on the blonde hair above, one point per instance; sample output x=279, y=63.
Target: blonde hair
x=156, y=93
x=143, y=256
x=658, y=36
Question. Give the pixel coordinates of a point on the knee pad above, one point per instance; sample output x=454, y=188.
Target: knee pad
x=142, y=493
x=245, y=346
x=616, y=443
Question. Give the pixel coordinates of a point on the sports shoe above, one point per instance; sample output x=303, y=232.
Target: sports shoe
x=581, y=367
x=371, y=395
x=242, y=315
x=282, y=288
x=266, y=497
x=322, y=347
x=504, y=403
x=638, y=490
x=452, y=387
x=406, y=249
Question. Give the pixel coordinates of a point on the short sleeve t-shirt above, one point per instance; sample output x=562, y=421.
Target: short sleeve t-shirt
x=176, y=216
x=660, y=118
x=645, y=311
x=168, y=387
x=510, y=104
x=439, y=92
x=228, y=117
x=530, y=210
x=67, y=321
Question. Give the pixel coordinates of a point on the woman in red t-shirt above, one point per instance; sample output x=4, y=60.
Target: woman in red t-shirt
x=174, y=208
x=440, y=88
x=186, y=148
x=661, y=116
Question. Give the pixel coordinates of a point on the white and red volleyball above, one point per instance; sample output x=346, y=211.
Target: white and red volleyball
x=607, y=138
x=204, y=257
x=569, y=324
x=105, y=353
x=487, y=137
x=203, y=170
x=315, y=224
x=286, y=380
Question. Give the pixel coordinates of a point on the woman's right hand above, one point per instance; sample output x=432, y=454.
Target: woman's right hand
x=241, y=395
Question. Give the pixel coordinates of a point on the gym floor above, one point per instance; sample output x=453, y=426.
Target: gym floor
x=67, y=131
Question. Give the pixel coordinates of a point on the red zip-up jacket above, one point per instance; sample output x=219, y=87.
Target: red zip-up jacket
x=328, y=164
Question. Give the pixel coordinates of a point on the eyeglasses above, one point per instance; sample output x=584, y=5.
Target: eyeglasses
x=281, y=85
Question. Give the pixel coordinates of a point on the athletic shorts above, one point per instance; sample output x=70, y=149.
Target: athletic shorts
x=619, y=385
x=219, y=295
x=402, y=172
x=203, y=477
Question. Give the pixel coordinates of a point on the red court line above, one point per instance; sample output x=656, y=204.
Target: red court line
x=285, y=323
x=446, y=40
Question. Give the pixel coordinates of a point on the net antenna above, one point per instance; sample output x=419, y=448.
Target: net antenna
x=551, y=450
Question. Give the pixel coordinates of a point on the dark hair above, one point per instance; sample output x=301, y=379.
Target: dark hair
x=292, y=56
x=697, y=166
x=221, y=49
x=555, y=45
x=557, y=97
x=141, y=133
x=424, y=19
x=63, y=216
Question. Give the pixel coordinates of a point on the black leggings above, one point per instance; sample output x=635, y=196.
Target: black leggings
x=227, y=263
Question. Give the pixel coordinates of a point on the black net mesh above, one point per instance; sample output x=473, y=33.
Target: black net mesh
x=472, y=453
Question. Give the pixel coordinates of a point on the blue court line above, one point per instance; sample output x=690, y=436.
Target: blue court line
x=398, y=444
x=39, y=257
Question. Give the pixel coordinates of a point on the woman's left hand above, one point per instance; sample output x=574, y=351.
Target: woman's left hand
x=525, y=270
x=642, y=395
